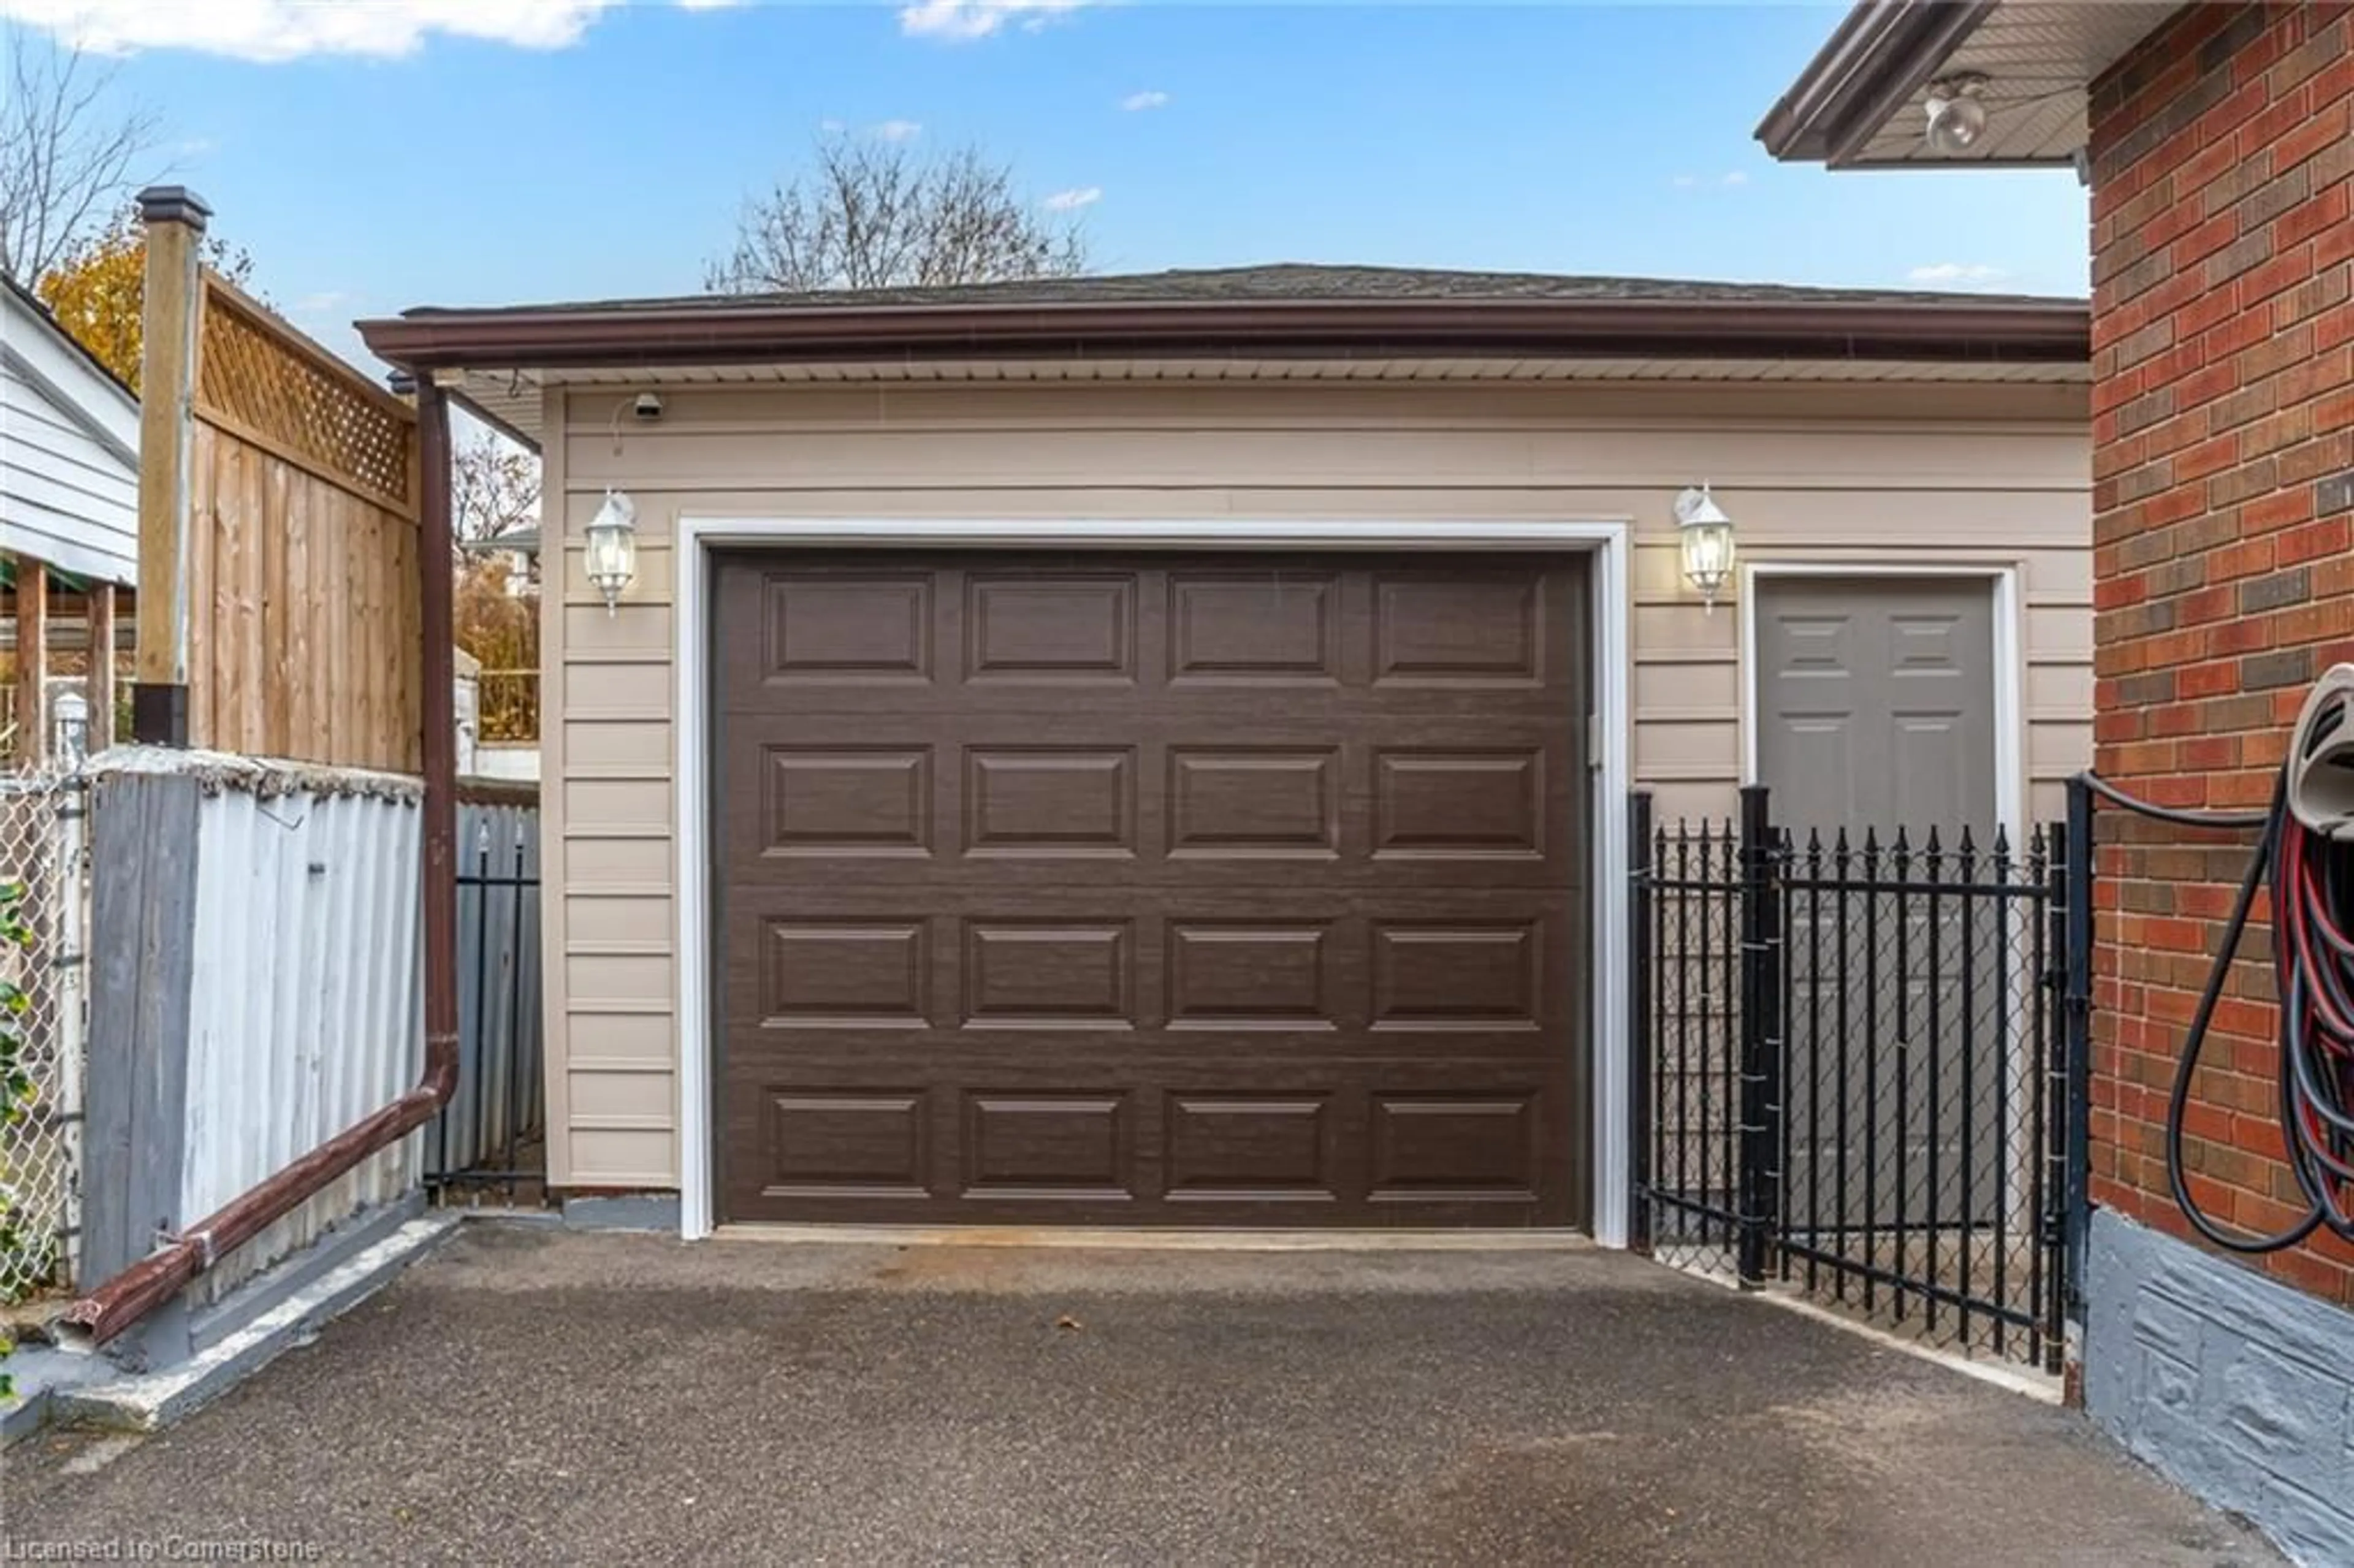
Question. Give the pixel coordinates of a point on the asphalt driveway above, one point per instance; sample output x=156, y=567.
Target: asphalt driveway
x=530, y=1395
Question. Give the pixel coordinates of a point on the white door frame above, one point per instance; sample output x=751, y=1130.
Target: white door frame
x=2010, y=640
x=1605, y=539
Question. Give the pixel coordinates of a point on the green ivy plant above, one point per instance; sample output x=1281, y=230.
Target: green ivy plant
x=18, y=1089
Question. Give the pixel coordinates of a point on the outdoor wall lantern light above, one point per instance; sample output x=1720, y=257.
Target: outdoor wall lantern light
x=1958, y=118
x=612, y=561
x=1706, y=534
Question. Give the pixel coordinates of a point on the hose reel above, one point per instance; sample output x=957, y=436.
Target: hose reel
x=2321, y=756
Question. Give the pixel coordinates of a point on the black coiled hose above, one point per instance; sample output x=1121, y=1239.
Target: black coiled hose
x=2312, y=883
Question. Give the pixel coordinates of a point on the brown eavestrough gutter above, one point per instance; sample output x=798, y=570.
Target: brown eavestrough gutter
x=153, y=1279
x=1882, y=54
x=560, y=338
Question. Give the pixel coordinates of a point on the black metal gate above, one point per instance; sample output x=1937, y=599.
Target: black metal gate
x=489, y=1144
x=1853, y=1070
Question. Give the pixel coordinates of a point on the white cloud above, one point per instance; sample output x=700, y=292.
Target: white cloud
x=1693, y=181
x=1154, y=99
x=272, y=31
x=1962, y=273
x=321, y=303
x=1736, y=178
x=1686, y=182
x=708, y=5
x=1073, y=199
x=960, y=21
x=830, y=126
x=899, y=131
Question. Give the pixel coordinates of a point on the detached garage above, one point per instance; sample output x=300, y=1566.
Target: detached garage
x=1154, y=750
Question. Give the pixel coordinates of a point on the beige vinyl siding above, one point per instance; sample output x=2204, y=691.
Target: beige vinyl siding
x=1975, y=476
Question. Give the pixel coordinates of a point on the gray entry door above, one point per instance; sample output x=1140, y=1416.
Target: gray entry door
x=1876, y=716
x=1875, y=702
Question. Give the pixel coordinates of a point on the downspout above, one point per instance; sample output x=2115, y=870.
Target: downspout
x=156, y=1279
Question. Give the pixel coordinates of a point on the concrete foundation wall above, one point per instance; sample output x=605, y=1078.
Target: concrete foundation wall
x=2238, y=1387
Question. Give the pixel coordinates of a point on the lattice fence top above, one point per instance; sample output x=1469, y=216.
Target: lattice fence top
x=270, y=382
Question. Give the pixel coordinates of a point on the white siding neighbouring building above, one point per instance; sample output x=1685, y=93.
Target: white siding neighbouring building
x=68, y=451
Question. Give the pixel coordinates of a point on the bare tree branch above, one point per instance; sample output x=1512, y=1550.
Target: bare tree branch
x=875, y=216
x=493, y=486
x=65, y=158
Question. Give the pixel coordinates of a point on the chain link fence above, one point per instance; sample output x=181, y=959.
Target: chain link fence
x=44, y=817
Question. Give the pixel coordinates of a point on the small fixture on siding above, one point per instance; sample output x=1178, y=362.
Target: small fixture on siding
x=1958, y=117
x=1705, y=533
x=613, y=563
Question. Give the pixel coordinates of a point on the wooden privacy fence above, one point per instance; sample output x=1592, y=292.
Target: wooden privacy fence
x=287, y=503
x=303, y=478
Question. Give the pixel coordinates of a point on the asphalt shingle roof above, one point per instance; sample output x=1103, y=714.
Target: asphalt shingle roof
x=1301, y=282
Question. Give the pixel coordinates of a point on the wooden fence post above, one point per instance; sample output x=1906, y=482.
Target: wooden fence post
x=101, y=679
x=32, y=660
x=175, y=218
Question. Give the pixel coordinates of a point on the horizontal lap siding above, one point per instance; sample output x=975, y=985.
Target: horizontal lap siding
x=1994, y=477
x=65, y=497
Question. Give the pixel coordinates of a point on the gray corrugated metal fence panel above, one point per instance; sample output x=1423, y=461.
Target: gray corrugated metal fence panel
x=307, y=1010
x=501, y=1080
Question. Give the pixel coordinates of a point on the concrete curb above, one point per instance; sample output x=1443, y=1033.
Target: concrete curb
x=40, y=1371
x=151, y=1400
x=254, y=1299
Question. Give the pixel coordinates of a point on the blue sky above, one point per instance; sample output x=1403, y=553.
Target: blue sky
x=396, y=155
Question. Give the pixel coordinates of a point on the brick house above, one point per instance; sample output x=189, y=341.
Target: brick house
x=2217, y=142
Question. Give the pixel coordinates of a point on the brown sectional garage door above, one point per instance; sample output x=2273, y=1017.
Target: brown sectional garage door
x=1178, y=890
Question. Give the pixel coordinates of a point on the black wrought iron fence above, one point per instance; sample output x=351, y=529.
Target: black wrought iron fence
x=1851, y=1075
x=491, y=1140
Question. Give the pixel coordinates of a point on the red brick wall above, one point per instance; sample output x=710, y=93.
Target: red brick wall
x=2224, y=434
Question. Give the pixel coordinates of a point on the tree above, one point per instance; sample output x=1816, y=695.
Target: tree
x=97, y=291
x=876, y=215
x=66, y=157
x=493, y=487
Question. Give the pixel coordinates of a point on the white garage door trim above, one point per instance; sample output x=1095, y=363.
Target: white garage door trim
x=1605, y=538
x=2009, y=724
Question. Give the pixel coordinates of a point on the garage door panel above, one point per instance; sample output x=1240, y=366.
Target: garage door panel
x=980, y=801
x=1446, y=960
x=1469, y=1146
x=1222, y=1147
x=1051, y=629
x=1039, y=799
x=863, y=629
x=1476, y=629
x=1172, y=1143
x=1256, y=629
x=1187, y=890
x=1167, y=705
x=844, y=800
x=856, y=972
x=1231, y=971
